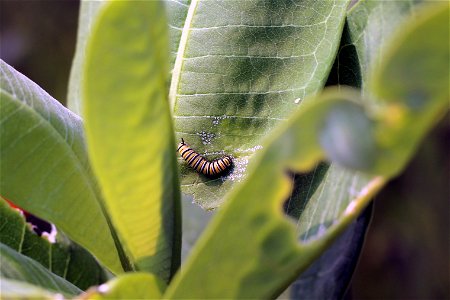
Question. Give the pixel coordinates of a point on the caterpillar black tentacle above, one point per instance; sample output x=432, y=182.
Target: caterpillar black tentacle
x=201, y=164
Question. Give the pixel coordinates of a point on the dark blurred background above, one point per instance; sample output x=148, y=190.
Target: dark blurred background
x=38, y=39
x=406, y=254
x=407, y=249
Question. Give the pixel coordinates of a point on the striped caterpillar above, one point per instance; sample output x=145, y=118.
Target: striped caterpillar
x=201, y=164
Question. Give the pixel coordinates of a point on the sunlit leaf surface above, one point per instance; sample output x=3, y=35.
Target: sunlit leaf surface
x=130, y=134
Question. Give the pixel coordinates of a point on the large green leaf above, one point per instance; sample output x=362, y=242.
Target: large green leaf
x=129, y=131
x=18, y=267
x=241, y=68
x=263, y=241
x=60, y=256
x=44, y=167
x=369, y=27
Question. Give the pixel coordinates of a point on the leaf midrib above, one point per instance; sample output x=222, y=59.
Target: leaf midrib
x=176, y=73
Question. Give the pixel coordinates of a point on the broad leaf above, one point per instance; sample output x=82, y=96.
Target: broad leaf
x=130, y=134
x=264, y=241
x=44, y=166
x=369, y=27
x=18, y=267
x=128, y=286
x=62, y=257
x=241, y=68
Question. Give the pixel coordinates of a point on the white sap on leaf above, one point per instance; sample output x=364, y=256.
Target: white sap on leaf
x=239, y=168
x=249, y=150
x=206, y=137
x=240, y=163
x=216, y=120
x=214, y=154
x=297, y=101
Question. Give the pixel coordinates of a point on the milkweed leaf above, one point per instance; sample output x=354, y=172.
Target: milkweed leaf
x=130, y=134
x=44, y=165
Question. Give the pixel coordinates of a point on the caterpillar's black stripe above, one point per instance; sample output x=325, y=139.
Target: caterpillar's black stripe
x=201, y=164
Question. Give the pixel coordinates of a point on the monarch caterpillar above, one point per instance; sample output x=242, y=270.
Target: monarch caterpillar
x=201, y=164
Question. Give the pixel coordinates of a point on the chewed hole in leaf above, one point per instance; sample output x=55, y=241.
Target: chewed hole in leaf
x=42, y=227
x=416, y=99
x=37, y=225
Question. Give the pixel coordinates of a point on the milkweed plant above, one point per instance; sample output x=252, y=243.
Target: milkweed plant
x=315, y=104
